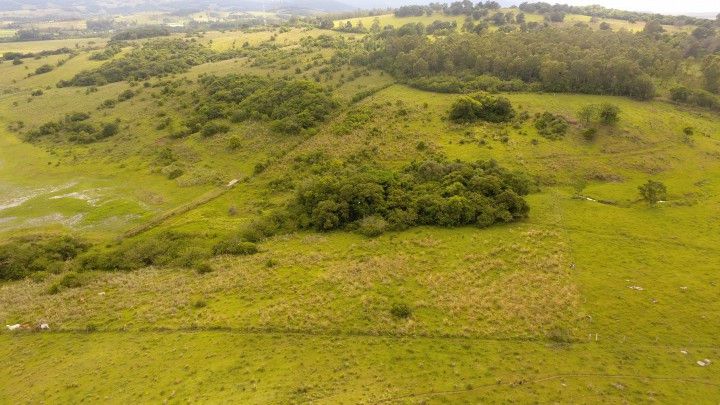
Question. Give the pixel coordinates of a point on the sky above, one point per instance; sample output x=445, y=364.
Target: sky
x=657, y=6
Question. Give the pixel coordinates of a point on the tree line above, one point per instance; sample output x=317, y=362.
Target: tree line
x=558, y=59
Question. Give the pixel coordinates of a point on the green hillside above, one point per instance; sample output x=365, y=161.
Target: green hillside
x=288, y=215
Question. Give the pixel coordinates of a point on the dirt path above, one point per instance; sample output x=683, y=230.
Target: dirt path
x=198, y=202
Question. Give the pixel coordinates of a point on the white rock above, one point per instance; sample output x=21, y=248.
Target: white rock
x=635, y=287
x=701, y=363
x=684, y=352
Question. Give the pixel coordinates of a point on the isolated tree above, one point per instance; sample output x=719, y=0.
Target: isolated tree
x=653, y=192
x=609, y=114
x=605, y=26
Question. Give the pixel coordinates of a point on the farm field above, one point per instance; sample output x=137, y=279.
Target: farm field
x=595, y=296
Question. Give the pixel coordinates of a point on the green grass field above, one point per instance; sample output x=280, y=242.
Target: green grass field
x=540, y=310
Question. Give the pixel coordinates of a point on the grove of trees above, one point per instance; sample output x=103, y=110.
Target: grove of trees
x=425, y=193
x=573, y=59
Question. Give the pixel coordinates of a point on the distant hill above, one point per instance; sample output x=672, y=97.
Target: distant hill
x=114, y=6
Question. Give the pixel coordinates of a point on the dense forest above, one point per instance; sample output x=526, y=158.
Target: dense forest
x=555, y=59
x=521, y=56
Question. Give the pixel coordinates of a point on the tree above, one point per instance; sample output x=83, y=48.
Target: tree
x=481, y=107
x=605, y=26
x=609, y=114
x=520, y=18
x=326, y=24
x=556, y=16
x=653, y=192
x=703, y=32
x=653, y=28
x=711, y=72
x=499, y=19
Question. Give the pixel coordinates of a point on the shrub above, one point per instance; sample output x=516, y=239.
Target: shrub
x=372, y=226
x=107, y=104
x=164, y=249
x=175, y=173
x=108, y=130
x=400, y=311
x=653, y=192
x=551, y=126
x=126, y=95
x=589, y=134
x=212, y=128
x=24, y=256
x=203, y=268
x=44, y=69
x=235, y=247
x=609, y=114
x=70, y=280
x=560, y=335
x=481, y=107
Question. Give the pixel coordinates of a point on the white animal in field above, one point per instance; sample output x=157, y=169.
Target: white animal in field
x=13, y=327
x=44, y=326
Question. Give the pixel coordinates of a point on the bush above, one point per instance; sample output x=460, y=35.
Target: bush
x=24, y=256
x=175, y=173
x=481, y=107
x=44, y=69
x=212, y=128
x=589, y=134
x=70, y=280
x=560, y=335
x=373, y=226
x=609, y=114
x=235, y=247
x=164, y=249
x=108, y=130
x=108, y=104
x=653, y=192
x=203, y=268
x=400, y=311
x=551, y=126
x=126, y=95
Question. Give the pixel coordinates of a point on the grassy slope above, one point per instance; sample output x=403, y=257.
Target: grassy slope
x=485, y=301
x=390, y=19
